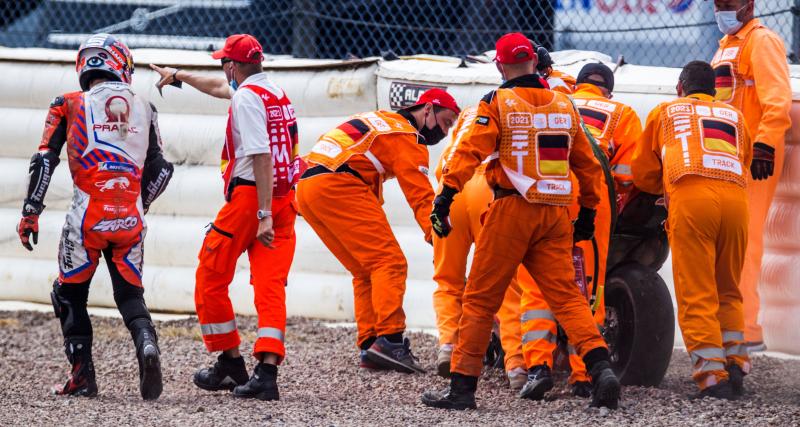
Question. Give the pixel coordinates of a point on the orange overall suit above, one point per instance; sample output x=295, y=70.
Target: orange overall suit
x=509, y=315
x=616, y=128
x=235, y=227
x=538, y=139
x=340, y=196
x=752, y=75
x=697, y=152
x=450, y=255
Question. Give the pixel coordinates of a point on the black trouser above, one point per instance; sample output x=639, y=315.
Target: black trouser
x=70, y=299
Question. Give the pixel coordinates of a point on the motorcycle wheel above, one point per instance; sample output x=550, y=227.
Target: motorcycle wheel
x=640, y=324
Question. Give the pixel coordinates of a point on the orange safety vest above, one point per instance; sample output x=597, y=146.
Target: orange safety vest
x=702, y=138
x=601, y=117
x=728, y=71
x=355, y=136
x=535, y=144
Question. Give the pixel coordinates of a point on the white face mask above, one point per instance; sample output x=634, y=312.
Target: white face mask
x=727, y=21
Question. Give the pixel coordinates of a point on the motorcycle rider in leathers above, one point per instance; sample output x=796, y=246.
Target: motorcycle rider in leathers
x=114, y=152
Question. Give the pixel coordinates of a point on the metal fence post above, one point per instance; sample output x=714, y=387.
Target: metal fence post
x=795, y=54
x=304, y=31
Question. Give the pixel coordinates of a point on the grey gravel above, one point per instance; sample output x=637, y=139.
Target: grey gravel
x=321, y=384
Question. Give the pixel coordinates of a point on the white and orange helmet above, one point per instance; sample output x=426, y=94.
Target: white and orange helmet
x=103, y=55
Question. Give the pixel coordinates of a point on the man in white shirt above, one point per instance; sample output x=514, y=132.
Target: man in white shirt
x=260, y=168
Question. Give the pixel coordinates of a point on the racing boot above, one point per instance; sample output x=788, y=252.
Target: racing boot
x=81, y=380
x=226, y=374
x=460, y=395
x=148, y=355
x=540, y=381
x=443, y=360
x=263, y=385
x=736, y=378
x=582, y=389
x=396, y=356
x=605, y=385
x=720, y=390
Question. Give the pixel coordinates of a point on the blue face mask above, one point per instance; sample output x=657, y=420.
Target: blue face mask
x=727, y=21
x=233, y=84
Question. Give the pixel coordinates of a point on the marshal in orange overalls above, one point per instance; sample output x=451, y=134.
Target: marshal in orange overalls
x=752, y=75
x=697, y=153
x=340, y=197
x=450, y=256
x=539, y=141
x=616, y=128
x=235, y=227
x=510, y=313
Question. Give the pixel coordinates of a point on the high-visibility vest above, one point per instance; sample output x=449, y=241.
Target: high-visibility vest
x=727, y=71
x=535, y=144
x=355, y=136
x=281, y=126
x=702, y=138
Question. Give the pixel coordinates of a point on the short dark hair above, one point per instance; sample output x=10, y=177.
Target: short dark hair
x=698, y=77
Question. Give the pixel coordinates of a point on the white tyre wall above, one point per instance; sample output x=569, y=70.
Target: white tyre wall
x=780, y=269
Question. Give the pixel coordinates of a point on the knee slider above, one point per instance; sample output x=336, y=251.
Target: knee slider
x=69, y=305
x=67, y=297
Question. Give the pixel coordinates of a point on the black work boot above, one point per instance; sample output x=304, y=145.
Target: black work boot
x=582, y=389
x=540, y=381
x=736, y=378
x=605, y=385
x=81, y=380
x=720, y=390
x=459, y=395
x=149, y=357
x=263, y=385
x=226, y=374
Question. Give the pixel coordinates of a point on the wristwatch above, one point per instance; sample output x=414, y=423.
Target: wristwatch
x=260, y=214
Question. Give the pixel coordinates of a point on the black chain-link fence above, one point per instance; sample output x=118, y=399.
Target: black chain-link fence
x=649, y=32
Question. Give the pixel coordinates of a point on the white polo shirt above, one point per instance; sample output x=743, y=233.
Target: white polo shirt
x=249, y=124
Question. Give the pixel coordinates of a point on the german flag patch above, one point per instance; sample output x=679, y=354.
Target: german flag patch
x=553, y=154
x=348, y=133
x=595, y=120
x=723, y=82
x=719, y=137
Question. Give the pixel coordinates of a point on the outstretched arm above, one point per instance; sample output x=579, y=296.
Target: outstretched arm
x=215, y=86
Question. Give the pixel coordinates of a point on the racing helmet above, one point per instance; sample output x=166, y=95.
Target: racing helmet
x=103, y=55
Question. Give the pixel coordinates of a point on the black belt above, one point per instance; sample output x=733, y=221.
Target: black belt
x=500, y=192
x=320, y=170
x=235, y=182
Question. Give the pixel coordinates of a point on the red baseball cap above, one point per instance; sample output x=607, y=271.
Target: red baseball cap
x=241, y=48
x=513, y=48
x=439, y=97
